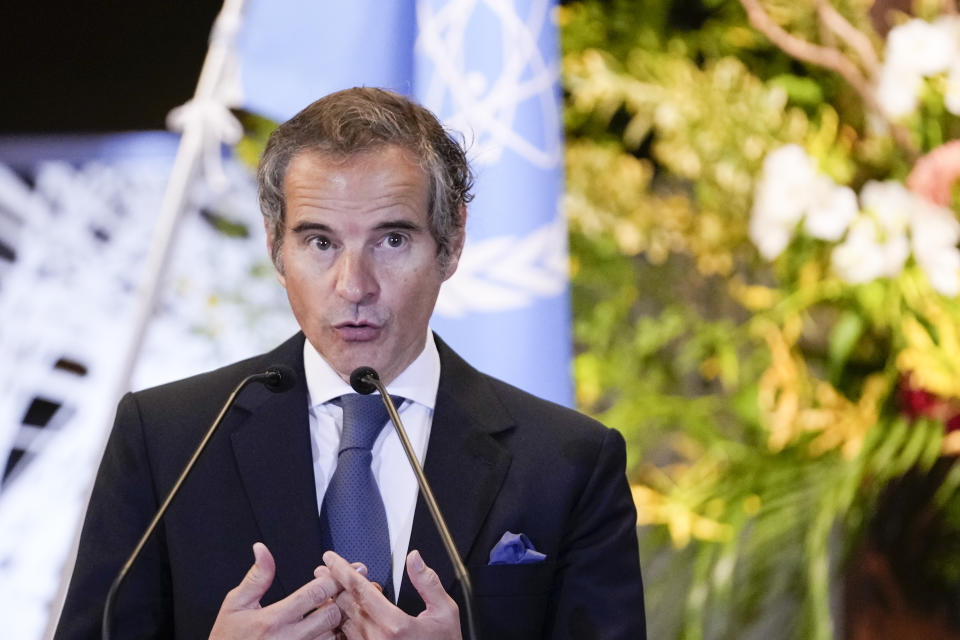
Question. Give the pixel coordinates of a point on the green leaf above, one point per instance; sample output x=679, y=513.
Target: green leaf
x=921, y=432
x=893, y=440
x=929, y=456
x=805, y=92
x=843, y=338
x=948, y=487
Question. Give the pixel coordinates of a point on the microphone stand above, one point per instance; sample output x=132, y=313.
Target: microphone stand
x=277, y=378
x=364, y=380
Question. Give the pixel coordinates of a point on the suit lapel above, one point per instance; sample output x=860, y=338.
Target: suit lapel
x=272, y=450
x=465, y=466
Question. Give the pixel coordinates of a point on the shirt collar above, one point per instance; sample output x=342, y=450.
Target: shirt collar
x=418, y=382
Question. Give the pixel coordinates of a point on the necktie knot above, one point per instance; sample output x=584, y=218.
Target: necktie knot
x=363, y=418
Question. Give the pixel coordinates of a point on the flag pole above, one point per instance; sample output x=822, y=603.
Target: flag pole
x=205, y=121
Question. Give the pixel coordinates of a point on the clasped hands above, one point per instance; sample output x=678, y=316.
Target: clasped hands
x=338, y=603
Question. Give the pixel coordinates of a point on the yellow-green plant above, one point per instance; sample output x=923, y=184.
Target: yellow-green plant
x=765, y=275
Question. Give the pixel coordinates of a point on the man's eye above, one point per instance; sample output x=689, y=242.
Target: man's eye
x=320, y=242
x=395, y=240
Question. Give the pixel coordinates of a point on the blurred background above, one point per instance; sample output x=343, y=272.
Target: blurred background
x=726, y=228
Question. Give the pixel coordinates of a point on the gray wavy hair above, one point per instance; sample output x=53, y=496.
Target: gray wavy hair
x=359, y=120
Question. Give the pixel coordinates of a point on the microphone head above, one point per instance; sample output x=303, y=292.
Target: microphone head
x=358, y=380
x=280, y=378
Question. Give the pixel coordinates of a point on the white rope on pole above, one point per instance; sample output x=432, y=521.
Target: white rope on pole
x=205, y=123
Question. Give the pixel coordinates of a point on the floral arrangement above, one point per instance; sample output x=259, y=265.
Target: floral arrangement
x=766, y=281
x=889, y=224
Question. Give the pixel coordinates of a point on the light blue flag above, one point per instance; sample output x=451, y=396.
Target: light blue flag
x=292, y=52
x=489, y=69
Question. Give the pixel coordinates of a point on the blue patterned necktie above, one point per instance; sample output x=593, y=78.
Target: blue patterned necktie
x=353, y=520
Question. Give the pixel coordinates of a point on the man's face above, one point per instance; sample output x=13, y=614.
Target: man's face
x=360, y=263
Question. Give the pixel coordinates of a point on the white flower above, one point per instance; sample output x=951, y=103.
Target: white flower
x=784, y=192
x=897, y=91
x=831, y=210
x=891, y=204
x=916, y=49
x=867, y=253
x=932, y=226
x=791, y=187
x=877, y=246
x=770, y=237
x=893, y=253
x=942, y=268
x=934, y=232
x=951, y=98
x=949, y=26
x=921, y=47
x=782, y=196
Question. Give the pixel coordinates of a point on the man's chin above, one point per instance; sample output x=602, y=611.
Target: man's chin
x=348, y=363
x=347, y=356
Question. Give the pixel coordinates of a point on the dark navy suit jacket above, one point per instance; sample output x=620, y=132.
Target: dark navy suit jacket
x=498, y=459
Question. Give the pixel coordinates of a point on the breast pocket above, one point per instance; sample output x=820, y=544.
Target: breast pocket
x=512, y=579
x=512, y=599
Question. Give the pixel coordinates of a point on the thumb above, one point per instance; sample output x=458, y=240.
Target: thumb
x=247, y=594
x=427, y=583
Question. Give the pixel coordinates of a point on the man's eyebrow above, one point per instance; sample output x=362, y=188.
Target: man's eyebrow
x=386, y=225
x=311, y=226
x=397, y=224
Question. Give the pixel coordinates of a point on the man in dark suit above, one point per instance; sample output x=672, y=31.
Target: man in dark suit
x=364, y=197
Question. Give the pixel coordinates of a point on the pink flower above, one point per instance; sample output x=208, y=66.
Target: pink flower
x=933, y=175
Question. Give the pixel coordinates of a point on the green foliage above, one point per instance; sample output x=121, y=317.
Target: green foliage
x=256, y=131
x=759, y=399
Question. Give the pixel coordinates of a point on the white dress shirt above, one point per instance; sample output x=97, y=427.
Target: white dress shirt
x=398, y=485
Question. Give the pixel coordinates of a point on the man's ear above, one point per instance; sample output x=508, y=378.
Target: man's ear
x=280, y=278
x=457, y=247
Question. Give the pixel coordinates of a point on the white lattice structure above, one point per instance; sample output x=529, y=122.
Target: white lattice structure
x=67, y=298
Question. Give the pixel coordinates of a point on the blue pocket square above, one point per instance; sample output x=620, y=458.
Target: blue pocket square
x=515, y=548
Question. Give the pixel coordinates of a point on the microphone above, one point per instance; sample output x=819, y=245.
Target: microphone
x=366, y=380
x=277, y=378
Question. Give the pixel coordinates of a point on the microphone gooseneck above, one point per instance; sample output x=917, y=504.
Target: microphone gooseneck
x=365, y=380
x=277, y=378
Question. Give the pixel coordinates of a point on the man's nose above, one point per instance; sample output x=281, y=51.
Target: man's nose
x=356, y=281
